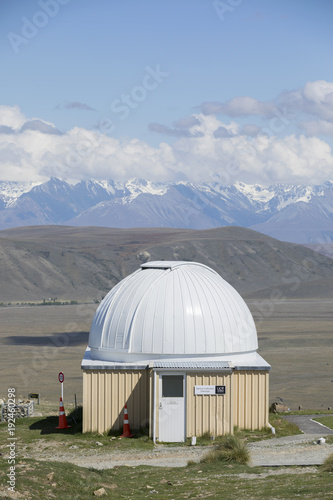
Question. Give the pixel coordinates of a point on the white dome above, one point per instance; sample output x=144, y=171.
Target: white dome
x=171, y=310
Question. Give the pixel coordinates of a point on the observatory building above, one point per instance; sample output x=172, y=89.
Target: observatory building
x=177, y=344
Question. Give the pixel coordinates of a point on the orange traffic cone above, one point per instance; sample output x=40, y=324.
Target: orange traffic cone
x=126, y=429
x=62, y=417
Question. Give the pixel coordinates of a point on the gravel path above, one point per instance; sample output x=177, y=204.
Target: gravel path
x=160, y=457
x=291, y=450
x=300, y=450
x=102, y=458
x=294, y=450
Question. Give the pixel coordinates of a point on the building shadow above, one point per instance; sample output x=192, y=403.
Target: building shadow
x=48, y=425
x=137, y=407
x=52, y=340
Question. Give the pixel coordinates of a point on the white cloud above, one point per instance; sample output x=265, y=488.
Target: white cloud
x=171, y=131
x=319, y=127
x=319, y=91
x=37, y=151
x=239, y=106
x=184, y=127
x=187, y=122
x=315, y=98
x=4, y=129
x=244, y=154
x=82, y=106
x=261, y=159
x=41, y=126
x=251, y=130
x=244, y=105
x=12, y=117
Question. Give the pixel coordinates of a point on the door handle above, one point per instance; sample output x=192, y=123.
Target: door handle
x=161, y=406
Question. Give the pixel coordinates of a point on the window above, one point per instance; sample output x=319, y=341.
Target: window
x=172, y=386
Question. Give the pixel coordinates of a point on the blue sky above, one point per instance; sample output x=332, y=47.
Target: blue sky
x=167, y=90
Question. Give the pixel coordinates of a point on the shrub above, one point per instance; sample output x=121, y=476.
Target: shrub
x=231, y=449
x=191, y=462
x=328, y=464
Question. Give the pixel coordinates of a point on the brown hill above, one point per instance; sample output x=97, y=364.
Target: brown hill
x=72, y=263
x=323, y=248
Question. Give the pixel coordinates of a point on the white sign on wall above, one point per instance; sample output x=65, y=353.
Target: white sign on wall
x=204, y=389
x=209, y=390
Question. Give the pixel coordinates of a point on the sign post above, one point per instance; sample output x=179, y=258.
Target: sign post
x=61, y=379
x=62, y=415
x=34, y=395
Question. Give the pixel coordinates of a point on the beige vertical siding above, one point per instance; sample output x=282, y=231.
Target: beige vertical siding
x=250, y=390
x=106, y=392
x=211, y=414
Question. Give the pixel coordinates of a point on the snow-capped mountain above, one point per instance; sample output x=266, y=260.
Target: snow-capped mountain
x=300, y=214
x=10, y=191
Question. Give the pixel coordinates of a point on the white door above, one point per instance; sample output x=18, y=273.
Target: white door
x=171, y=408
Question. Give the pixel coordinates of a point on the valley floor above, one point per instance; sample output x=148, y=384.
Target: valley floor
x=295, y=337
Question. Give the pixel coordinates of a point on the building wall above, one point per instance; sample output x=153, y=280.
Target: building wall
x=251, y=399
x=105, y=393
x=206, y=413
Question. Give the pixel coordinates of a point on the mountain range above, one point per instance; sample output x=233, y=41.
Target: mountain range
x=83, y=263
x=298, y=214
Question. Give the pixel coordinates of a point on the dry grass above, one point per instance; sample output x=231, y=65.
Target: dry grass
x=327, y=421
x=328, y=464
x=296, y=339
x=230, y=449
x=216, y=481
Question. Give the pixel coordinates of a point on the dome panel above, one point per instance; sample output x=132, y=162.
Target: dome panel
x=171, y=309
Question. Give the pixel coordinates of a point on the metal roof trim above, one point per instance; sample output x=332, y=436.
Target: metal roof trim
x=105, y=367
x=88, y=363
x=254, y=368
x=192, y=365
